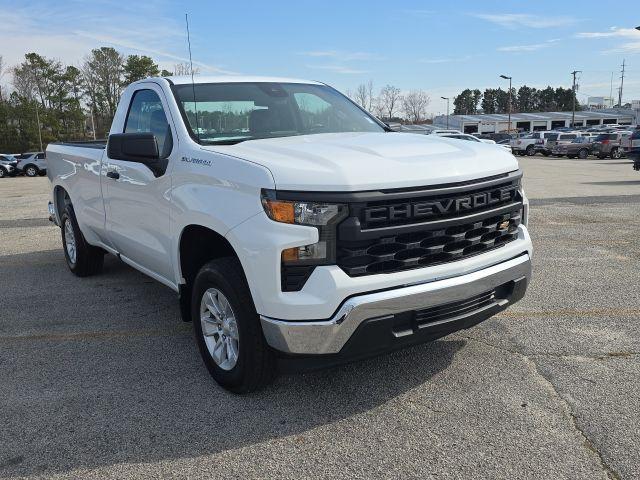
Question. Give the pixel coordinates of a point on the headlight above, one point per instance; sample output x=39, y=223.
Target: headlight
x=321, y=215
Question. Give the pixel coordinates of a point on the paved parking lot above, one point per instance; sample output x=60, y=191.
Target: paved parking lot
x=99, y=378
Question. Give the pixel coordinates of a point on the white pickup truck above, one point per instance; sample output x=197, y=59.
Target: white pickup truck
x=295, y=227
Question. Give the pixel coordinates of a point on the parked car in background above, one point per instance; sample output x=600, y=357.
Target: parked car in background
x=562, y=138
x=471, y=138
x=532, y=143
x=444, y=131
x=580, y=147
x=609, y=144
x=634, y=148
x=32, y=164
x=419, y=129
x=8, y=166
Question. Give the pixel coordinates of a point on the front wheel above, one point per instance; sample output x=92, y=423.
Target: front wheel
x=584, y=153
x=531, y=151
x=227, y=328
x=31, y=171
x=3, y=173
x=82, y=259
x=616, y=153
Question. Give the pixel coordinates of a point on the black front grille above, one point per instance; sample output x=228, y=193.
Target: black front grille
x=362, y=250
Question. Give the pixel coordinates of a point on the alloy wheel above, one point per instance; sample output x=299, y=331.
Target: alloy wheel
x=219, y=328
x=70, y=241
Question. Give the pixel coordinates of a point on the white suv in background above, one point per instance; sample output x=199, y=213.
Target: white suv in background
x=32, y=164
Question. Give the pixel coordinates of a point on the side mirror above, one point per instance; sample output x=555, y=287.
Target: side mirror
x=134, y=147
x=137, y=147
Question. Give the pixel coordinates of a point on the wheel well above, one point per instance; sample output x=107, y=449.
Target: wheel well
x=61, y=199
x=199, y=245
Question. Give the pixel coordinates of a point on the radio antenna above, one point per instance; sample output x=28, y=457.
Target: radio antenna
x=193, y=84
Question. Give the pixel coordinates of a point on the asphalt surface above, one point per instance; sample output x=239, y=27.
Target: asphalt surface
x=99, y=378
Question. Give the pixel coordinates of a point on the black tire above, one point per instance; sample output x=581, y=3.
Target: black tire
x=583, y=153
x=616, y=154
x=31, y=171
x=255, y=366
x=3, y=172
x=531, y=151
x=88, y=259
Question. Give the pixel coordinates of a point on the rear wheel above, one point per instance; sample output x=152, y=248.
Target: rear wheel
x=3, y=172
x=616, y=153
x=31, y=171
x=583, y=153
x=531, y=151
x=227, y=328
x=82, y=259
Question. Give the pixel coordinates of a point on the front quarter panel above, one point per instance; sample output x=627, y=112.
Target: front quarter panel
x=216, y=191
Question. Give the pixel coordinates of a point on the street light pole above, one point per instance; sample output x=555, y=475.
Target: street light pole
x=573, y=89
x=508, y=78
x=447, y=99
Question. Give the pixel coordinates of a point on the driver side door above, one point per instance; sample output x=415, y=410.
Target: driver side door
x=136, y=198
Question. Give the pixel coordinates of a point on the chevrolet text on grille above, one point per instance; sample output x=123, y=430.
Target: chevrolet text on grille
x=431, y=208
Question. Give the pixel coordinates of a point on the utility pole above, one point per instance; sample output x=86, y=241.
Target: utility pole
x=573, y=90
x=621, y=85
x=447, y=99
x=39, y=132
x=508, y=78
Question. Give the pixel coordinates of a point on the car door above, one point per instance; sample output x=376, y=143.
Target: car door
x=137, y=200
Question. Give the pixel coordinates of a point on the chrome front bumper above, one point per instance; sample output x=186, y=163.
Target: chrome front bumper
x=329, y=336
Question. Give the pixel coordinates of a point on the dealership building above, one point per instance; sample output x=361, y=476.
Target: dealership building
x=531, y=122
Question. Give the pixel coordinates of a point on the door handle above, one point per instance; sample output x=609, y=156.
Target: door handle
x=113, y=174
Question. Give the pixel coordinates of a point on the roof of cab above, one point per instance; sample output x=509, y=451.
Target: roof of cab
x=186, y=79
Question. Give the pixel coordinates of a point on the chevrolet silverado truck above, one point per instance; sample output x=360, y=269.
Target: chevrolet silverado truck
x=295, y=227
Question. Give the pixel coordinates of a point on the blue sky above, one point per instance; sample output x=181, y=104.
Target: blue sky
x=439, y=47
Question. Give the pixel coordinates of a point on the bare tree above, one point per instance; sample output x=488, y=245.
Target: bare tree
x=362, y=96
x=370, y=93
x=390, y=98
x=415, y=105
x=2, y=72
x=184, y=69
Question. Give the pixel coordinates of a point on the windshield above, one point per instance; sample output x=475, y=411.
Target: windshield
x=228, y=113
x=606, y=136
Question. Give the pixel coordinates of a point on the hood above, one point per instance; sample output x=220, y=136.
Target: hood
x=370, y=161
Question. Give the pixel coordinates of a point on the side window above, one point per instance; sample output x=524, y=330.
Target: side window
x=147, y=115
x=40, y=156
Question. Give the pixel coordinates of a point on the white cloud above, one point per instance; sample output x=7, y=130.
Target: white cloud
x=516, y=20
x=50, y=31
x=448, y=59
x=528, y=48
x=342, y=69
x=632, y=34
x=342, y=56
